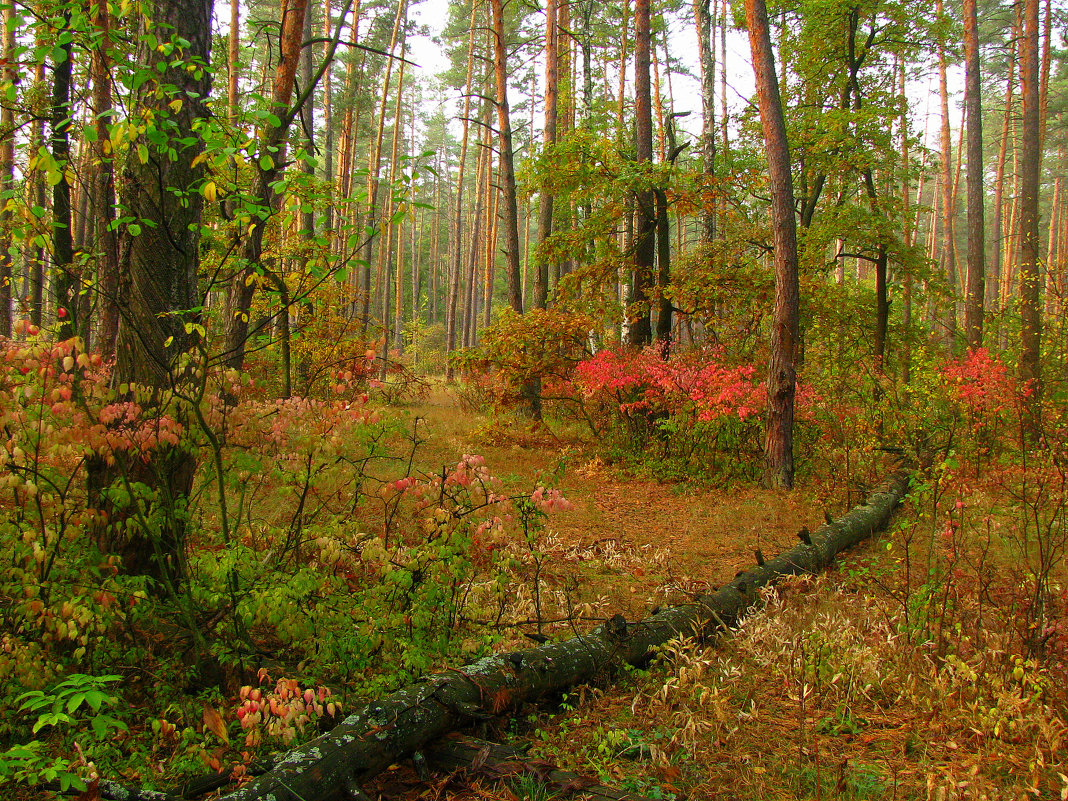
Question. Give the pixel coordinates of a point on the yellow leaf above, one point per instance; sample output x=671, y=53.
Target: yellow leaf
x=209, y=191
x=213, y=722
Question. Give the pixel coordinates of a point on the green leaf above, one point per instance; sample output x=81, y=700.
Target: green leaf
x=266, y=163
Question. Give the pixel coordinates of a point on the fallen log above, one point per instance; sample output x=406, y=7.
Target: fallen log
x=368, y=741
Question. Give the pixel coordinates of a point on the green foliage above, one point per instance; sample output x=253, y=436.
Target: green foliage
x=77, y=700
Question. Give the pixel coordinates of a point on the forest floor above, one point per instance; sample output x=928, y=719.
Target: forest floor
x=838, y=689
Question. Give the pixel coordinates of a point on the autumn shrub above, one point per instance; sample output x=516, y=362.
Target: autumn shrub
x=694, y=410
x=541, y=347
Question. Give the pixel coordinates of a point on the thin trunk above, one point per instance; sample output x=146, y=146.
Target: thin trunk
x=328, y=123
x=374, y=165
x=453, y=274
x=1030, y=258
x=948, y=258
x=509, y=202
x=232, y=58
x=973, y=304
x=639, y=332
x=7, y=169
x=707, y=56
x=271, y=156
x=66, y=284
x=994, y=287
x=545, y=200
x=107, y=244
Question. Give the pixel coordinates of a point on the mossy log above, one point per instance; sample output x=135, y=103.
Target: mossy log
x=386, y=731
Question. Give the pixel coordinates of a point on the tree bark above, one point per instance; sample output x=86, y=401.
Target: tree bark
x=66, y=283
x=509, y=205
x=545, y=199
x=159, y=307
x=973, y=302
x=454, y=271
x=107, y=245
x=948, y=256
x=707, y=56
x=267, y=172
x=639, y=328
x=782, y=377
x=993, y=294
x=1029, y=245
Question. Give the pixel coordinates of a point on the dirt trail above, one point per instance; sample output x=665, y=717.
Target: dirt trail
x=704, y=535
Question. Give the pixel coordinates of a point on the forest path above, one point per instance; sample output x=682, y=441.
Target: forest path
x=661, y=537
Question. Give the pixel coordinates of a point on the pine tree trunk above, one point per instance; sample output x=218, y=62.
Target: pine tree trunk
x=781, y=382
x=973, y=302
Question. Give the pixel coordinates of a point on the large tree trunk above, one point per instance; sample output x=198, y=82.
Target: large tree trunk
x=385, y=731
x=782, y=378
x=160, y=302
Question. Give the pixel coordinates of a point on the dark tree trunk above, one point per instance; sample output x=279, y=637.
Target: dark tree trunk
x=65, y=283
x=782, y=377
x=639, y=322
x=1028, y=234
x=155, y=336
x=107, y=245
x=7, y=168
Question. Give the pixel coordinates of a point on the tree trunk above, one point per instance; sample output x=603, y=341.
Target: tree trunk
x=707, y=56
x=370, y=740
x=545, y=199
x=452, y=277
x=161, y=302
x=7, y=168
x=781, y=382
x=1029, y=246
x=107, y=245
x=973, y=302
x=66, y=284
x=267, y=172
x=509, y=205
x=994, y=290
x=948, y=257
x=639, y=328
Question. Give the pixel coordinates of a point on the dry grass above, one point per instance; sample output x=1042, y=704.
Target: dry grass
x=859, y=684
